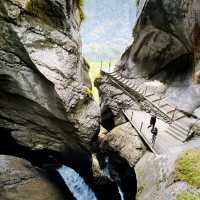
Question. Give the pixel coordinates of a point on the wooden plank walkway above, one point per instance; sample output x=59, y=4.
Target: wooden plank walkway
x=175, y=131
x=140, y=121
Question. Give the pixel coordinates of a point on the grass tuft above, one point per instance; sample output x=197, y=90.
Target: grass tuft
x=187, y=196
x=188, y=167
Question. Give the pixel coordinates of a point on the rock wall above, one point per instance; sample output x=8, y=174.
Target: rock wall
x=163, y=33
x=20, y=180
x=44, y=98
x=166, y=48
x=113, y=98
x=46, y=111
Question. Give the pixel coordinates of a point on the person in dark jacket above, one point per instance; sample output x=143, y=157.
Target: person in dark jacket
x=152, y=121
x=154, y=132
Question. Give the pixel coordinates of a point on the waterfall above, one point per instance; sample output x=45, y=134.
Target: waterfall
x=76, y=184
x=121, y=193
x=106, y=172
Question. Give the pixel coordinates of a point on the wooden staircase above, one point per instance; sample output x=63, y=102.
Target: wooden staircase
x=180, y=124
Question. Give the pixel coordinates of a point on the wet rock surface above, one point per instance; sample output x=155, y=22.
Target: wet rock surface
x=43, y=87
x=165, y=57
x=165, y=48
x=114, y=99
x=47, y=117
x=156, y=176
x=20, y=180
x=126, y=141
x=119, y=171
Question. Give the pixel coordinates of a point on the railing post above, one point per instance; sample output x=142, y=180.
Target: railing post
x=132, y=116
x=141, y=126
x=109, y=66
x=173, y=115
x=159, y=101
x=145, y=91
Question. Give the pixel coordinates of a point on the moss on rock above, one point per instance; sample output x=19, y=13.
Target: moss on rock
x=188, y=167
x=80, y=4
x=188, y=196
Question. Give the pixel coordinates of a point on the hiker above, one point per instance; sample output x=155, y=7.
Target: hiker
x=154, y=132
x=152, y=122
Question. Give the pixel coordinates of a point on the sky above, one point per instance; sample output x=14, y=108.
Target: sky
x=107, y=29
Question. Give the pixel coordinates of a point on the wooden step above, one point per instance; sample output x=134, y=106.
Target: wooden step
x=173, y=134
x=181, y=126
x=132, y=85
x=115, y=75
x=167, y=109
x=178, y=115
x=142, y=91
x=154, y=98
x=148, y=95
x=163, y=104
x=181, y=133
x=139, y=90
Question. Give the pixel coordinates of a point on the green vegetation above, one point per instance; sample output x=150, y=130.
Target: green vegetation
x=188, y=196
x=80, y=4
x=140, y=190
x=188, y=167
x=88, y=92
x=94, y=73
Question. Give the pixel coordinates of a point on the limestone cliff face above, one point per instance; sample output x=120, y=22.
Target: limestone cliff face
x=44, y=101
x=19, y=180
x=163, y=33
x=165, y=48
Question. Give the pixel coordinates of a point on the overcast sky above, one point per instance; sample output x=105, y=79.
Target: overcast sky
x=107, y=30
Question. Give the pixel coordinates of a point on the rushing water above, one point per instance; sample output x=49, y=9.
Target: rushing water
x=106, y=172
x=76, y=184
x=121, y=193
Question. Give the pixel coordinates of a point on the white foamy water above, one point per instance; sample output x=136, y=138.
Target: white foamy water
x=106, y=172
x=121, y=193
x=76, y=184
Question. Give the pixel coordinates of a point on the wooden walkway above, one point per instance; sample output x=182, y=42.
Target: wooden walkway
x=140, y=121
x=177, y=127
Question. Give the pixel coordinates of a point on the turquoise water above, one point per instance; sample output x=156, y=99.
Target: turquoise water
x=76, y=184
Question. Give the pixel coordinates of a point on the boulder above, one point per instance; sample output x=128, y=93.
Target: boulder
x=159, y=176
x=166, y=48
x=163, y=32
x=20, y=180
x=126, y=141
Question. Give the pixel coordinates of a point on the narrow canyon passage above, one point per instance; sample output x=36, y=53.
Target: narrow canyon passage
x=80, y=84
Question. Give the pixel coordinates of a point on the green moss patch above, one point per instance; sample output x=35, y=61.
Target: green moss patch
x=188, y=167
x=188, y=196
x=80, y=5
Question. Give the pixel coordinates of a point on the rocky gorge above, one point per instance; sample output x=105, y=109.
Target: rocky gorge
x=47, y=116
x=56, y=142
x=163, y=59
